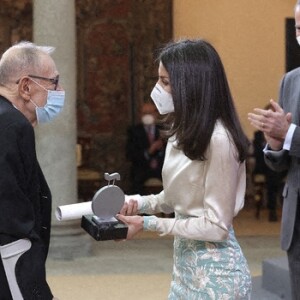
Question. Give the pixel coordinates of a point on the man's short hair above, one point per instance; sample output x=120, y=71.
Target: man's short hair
x=21, y=59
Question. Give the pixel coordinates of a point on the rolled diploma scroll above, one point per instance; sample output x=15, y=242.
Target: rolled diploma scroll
x=77, y=210
x=73, y=211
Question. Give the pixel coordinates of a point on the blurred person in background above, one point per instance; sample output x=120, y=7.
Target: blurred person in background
x=145, y=149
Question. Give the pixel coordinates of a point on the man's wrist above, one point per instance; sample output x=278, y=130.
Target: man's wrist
x=271, y=147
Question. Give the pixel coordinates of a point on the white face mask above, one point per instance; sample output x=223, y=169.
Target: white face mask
x=148, y=119
x=298, y=39
x=162, y=99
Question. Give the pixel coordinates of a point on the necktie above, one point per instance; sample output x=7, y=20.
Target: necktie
x=150, y=133
x=151, y=137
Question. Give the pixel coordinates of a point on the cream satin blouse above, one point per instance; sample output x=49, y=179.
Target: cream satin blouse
x=206, y=195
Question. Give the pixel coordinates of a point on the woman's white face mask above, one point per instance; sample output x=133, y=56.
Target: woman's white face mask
x=162, y=99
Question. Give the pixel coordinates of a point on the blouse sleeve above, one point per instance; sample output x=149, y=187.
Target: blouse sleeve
x=223, y=177
x=153, y=204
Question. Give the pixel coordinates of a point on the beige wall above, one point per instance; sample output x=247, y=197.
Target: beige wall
x=250, y=38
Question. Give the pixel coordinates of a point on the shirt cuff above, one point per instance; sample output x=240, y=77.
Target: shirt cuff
x=289, y=136
x=150, y=223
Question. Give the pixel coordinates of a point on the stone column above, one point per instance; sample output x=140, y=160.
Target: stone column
x=54, y=24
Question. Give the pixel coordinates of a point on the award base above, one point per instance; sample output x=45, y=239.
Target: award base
x=104, y=231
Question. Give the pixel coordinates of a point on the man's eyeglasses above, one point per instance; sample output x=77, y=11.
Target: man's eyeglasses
x=54, y=80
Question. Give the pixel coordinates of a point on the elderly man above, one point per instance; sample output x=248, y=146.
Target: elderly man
x=281, y=127
x=29, y=94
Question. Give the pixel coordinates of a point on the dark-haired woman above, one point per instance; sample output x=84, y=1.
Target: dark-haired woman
x=204, y=175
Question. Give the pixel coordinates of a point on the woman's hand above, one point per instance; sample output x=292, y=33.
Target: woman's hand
x=129, y=208
x=134, y=223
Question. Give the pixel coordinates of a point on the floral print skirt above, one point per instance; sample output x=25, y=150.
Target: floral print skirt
x=209, y=270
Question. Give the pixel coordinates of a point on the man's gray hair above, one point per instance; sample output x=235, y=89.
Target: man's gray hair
x=21, y=59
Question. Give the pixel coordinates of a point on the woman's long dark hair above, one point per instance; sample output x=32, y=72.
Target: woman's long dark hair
x=201, y=96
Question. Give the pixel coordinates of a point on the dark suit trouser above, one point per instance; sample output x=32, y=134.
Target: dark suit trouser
x=294, y=258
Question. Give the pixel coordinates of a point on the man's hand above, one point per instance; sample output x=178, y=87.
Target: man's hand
x=156, y=146
x=273, y=122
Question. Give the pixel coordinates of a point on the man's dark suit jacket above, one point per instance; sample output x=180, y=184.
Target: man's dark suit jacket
x=289, y=100
x=25, y=204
